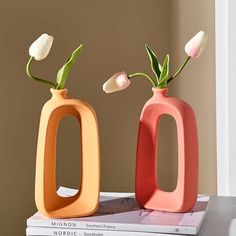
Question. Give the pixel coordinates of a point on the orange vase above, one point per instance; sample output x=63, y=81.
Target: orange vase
x=148, y=193
x=48, y=202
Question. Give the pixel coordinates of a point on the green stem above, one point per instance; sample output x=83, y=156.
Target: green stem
x=179, y=70
x=144, y=75
x=28, y=69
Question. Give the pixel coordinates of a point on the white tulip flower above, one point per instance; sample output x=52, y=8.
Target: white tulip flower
x=40, y=48
x=117, y=82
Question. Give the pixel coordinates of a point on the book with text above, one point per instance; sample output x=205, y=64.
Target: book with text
x=33, y=231
x=121, y=212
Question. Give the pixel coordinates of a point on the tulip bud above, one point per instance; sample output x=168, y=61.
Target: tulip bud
x=40, y=48
x=117, y=82
x=196, y=45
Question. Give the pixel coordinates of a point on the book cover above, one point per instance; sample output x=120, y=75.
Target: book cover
x=31, y=231
x=121, y=212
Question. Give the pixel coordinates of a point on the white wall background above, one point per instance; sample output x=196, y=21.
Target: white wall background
x=225, y=22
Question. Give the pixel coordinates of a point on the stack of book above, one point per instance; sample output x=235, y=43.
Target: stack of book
x=119, y=214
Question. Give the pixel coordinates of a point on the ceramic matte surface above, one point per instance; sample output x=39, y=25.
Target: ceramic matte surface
x=48, y=202
x=147, y=191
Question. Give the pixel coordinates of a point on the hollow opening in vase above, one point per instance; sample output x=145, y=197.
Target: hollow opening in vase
x=167, y=153
x=68, y=164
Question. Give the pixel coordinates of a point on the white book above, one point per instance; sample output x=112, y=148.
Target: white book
x=121, y=212
x=31, y=231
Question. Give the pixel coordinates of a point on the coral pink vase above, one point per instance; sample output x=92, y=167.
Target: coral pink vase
x=148, y=193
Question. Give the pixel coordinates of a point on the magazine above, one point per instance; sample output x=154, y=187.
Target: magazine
x=121, y=212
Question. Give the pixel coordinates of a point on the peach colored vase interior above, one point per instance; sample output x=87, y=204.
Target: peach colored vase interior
x=147, y=191
x=47, y=200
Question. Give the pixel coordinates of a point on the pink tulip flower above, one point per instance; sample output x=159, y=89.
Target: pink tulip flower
x=117, y=82
x=196, y=45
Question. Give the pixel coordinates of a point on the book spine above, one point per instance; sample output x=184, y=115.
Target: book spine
x=70, y=224
x=31, y=231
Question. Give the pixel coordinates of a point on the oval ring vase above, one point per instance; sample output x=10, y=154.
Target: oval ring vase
x=85, y=202
x=148, y=193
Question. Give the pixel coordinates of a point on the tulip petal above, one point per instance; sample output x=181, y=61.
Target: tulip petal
x=117, y=82
x=41, y=47
x=196, y=45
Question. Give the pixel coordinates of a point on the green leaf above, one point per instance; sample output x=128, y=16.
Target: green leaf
x=165, y=72
x=154, y=61
x=63, y=73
